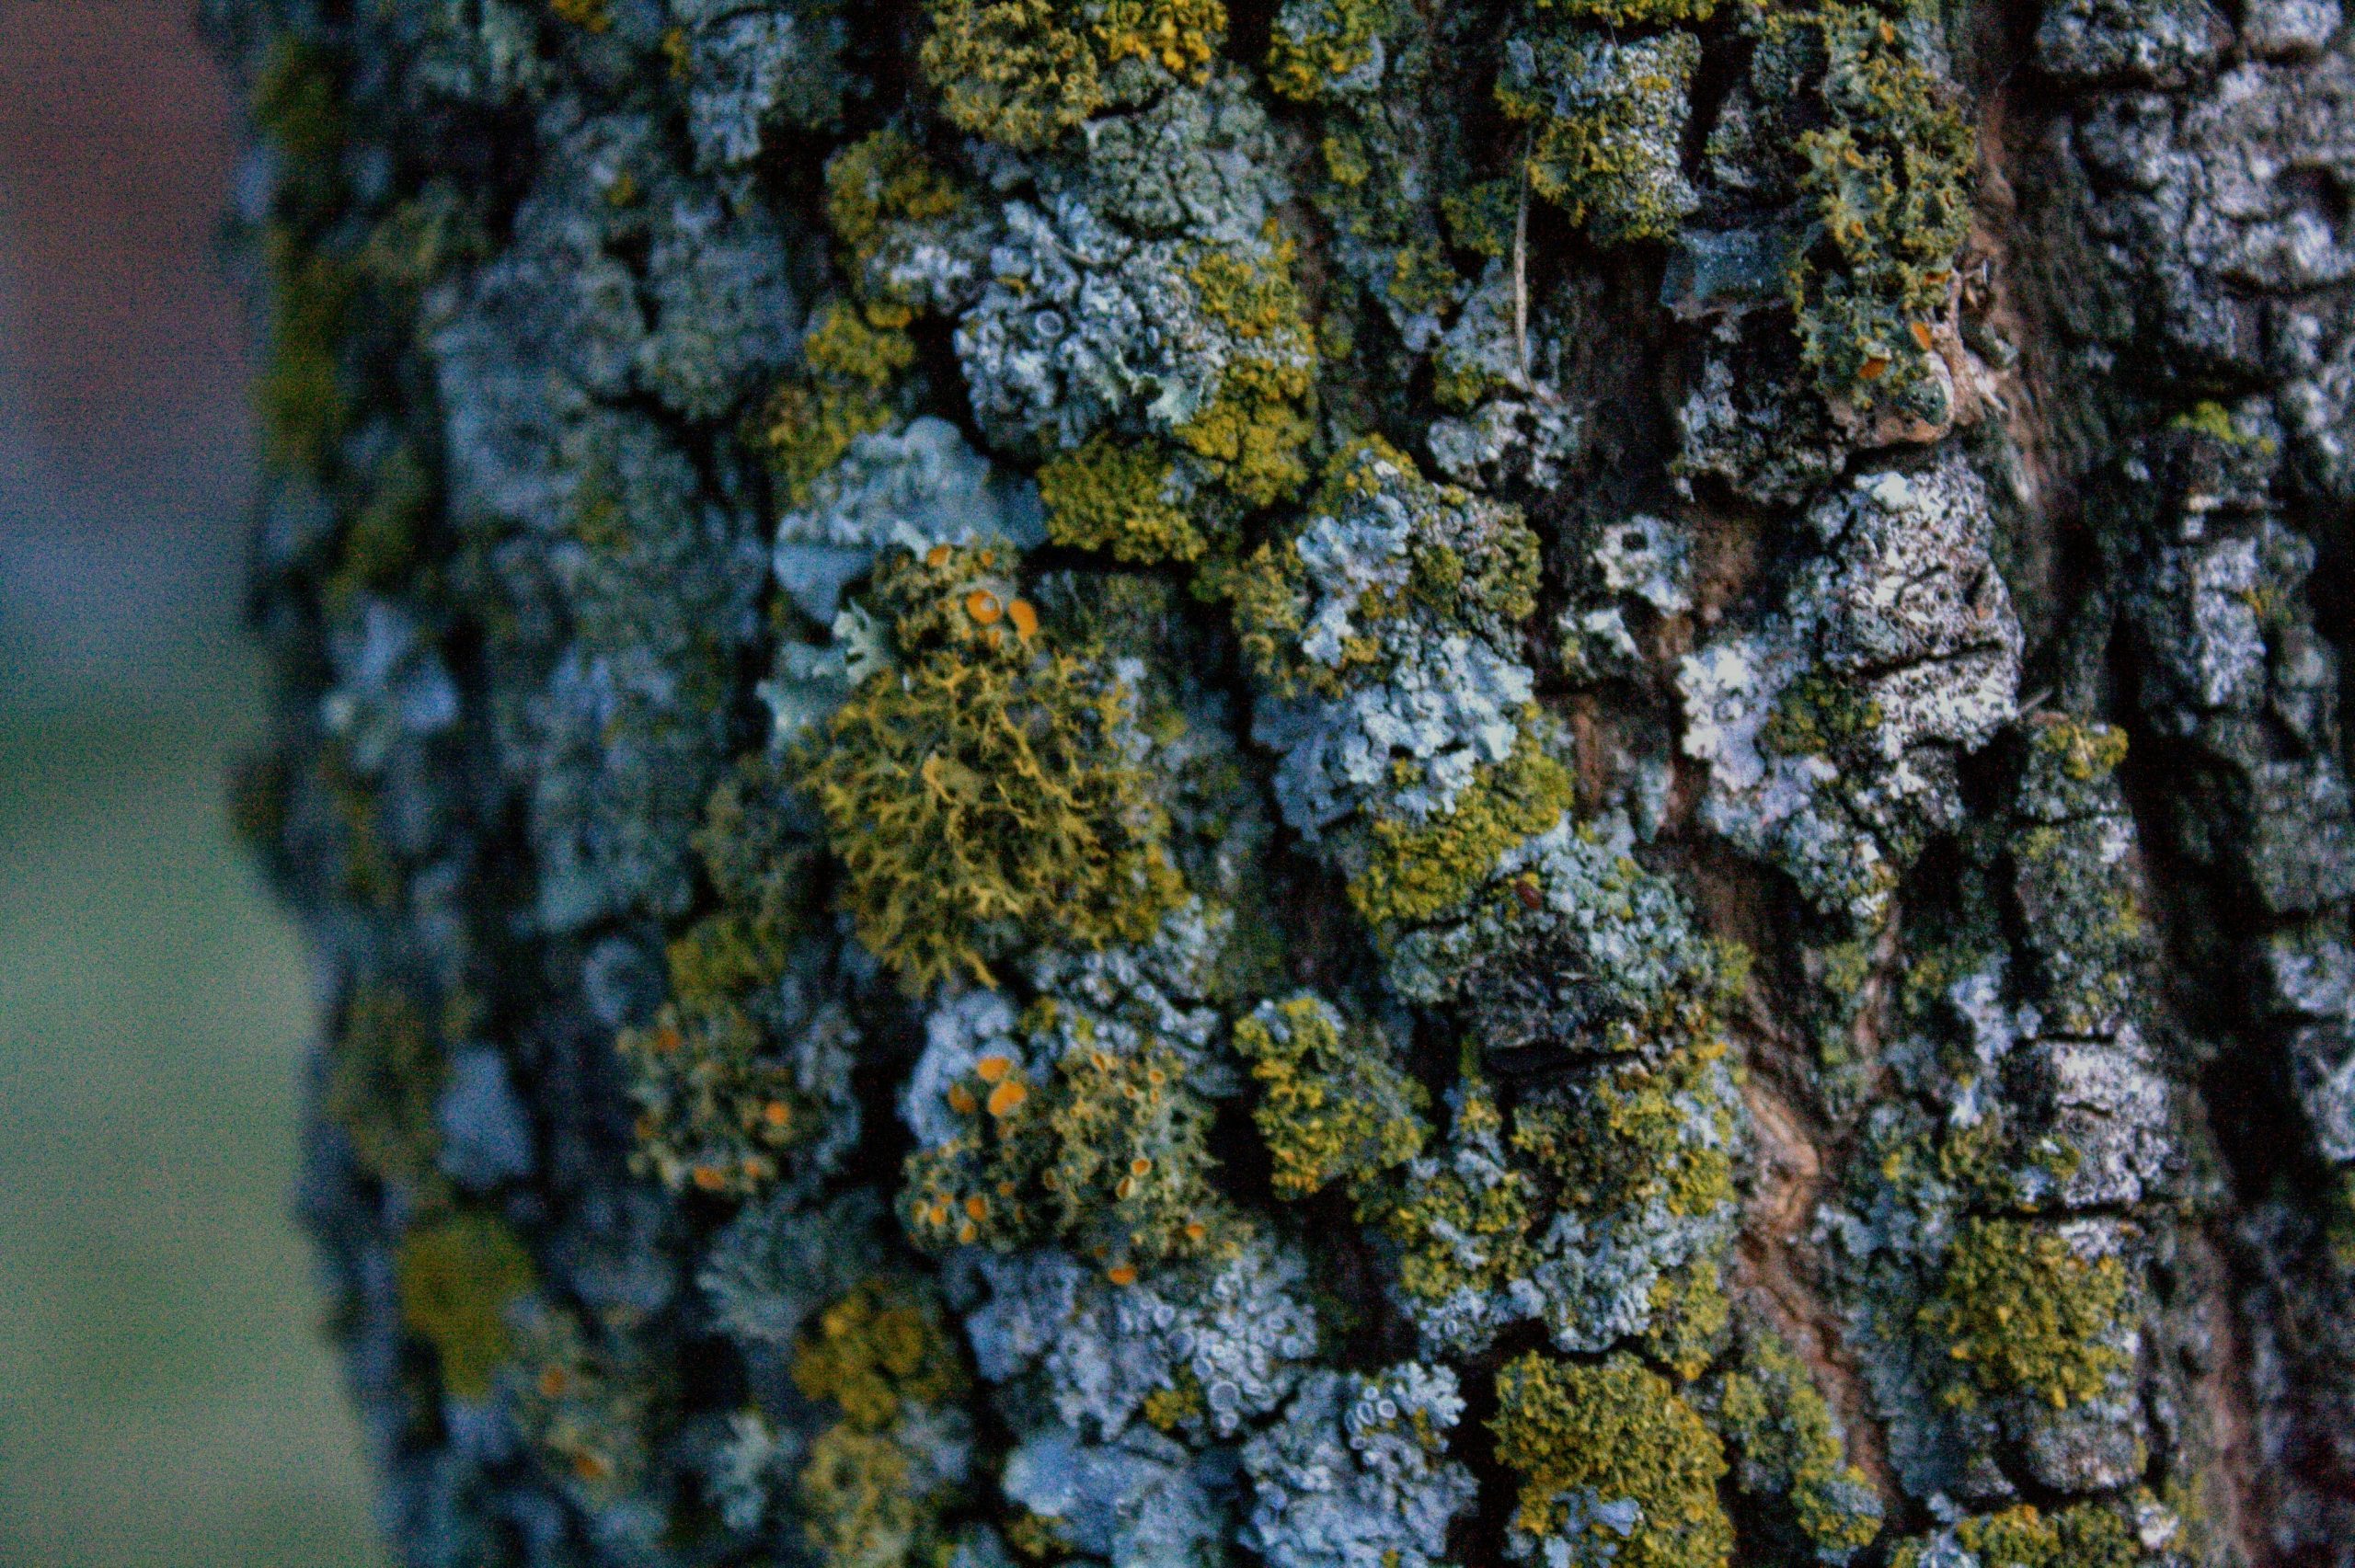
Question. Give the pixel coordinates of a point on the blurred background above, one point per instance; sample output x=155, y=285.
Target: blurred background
x=165, y=1396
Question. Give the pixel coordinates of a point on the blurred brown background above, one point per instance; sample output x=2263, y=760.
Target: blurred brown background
x=164, y=1398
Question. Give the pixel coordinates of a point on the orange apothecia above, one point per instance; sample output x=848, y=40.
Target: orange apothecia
x=1025, y=618
x=1007, y=1097
x=983, y=606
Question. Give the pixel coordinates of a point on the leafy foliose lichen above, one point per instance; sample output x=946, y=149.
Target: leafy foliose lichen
x=2019, y=1312
x=849, y=366
x=1572, y=946
x=1414, y=872
x=898, y=223
x=1637, y=1163
x=457, y=1278
x=1787, y=1447
x=745, y=1073
x=384, y=1072
x=881, y=1344
x=1198, y=342
x=1385, y=633
x=1200, y=1349
x=982, y=787
x=1357, y=1472
x=1615, y=1467
x=721, y=1110
x=1129, y=500
x=1631, y=13
x=2088, y=1535
x=876, y=1483
x=1833, y=730
x=1024, y=72
x=1889, y=184
x=904, y=227
x=1320, y=47
x=1110, y=1155
x=1334, y=1106
x=305, y=395
x=585, y=1404
x=1608, y=120
x=1459, y=1220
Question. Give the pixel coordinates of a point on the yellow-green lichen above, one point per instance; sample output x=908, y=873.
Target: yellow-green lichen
x=1178, y=1406
x=369, y=872
x=1333, y=1106
x=1469, y=562
x=1631, y=13
x=1119, y=497
x=1130, y=1177
x=298, y=103
x=302, y=396
x=1109, y=1154
x=2018, y=1312
x=2090, y=1535
x=1316, y=44
x=859, y=1505
x=871, y=1495
x=1687, y=1316
x=382, y=545
x=1818, y=715
x=457, y=1278
x=1484, y=217
x=759, y=868
x=879, y=1348
x=857, y=352
x=716, y=1110
x=418, y=241
x=1460, y=1221
x=385, y=1072
x=1889, y=183
x=1636, y=1133
x=876, y=187
x=2085, y=753
x=1023, y=72
x=2211, y=419
x=1418, y=871
x=1607, y=123
x=588, y=16
x=850, y=365
x=1782, y=1429
x=1648, y=1137
x=984, y=792
x=1251, y=433
x=584, y=1407
x=1586, y=1438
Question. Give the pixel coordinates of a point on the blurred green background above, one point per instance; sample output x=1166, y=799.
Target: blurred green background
x=165, y=1396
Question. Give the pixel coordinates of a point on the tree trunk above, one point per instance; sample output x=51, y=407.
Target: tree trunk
x=1538, y=781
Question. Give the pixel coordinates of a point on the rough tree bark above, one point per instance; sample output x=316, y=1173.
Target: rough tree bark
x=1358, y=783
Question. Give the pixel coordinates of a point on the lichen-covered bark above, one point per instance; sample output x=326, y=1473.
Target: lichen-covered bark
x=1367, y=784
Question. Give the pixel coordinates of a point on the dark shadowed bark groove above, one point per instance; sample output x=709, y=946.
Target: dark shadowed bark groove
x=1353, y=783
